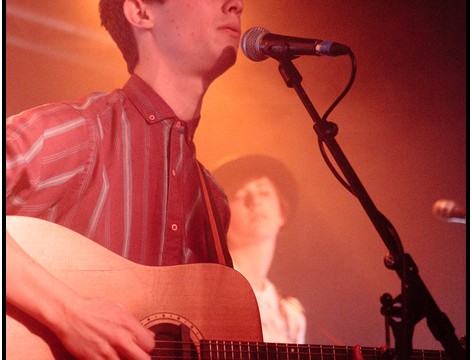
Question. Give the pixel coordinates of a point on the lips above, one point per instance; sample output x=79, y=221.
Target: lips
x=233, y=30
x=258, y=217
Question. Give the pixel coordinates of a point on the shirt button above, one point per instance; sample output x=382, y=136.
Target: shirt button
x=173, y=172
x=151, y=117
x=174, y=227
x=178, y=124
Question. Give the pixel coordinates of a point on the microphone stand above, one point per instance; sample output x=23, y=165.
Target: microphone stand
x=415, y=299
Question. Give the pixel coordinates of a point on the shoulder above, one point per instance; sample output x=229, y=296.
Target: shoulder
x=98, y=102
x=61, y=116
x=62, y=110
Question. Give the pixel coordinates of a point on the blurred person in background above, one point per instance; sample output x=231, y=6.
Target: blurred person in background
x=262, y=194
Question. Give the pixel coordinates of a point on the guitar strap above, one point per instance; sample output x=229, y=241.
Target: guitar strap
x=213, y=224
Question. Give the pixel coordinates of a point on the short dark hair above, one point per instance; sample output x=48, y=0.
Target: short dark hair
x=235, y=173
x=114, y=21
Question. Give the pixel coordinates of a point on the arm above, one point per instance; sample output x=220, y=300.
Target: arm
x=88, y=328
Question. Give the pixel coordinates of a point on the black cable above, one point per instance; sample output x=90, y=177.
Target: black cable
x=325, y=117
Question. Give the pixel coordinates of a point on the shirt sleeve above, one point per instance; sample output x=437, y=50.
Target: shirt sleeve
x=47, y=150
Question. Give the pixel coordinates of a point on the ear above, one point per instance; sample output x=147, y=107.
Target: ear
x=138, y=14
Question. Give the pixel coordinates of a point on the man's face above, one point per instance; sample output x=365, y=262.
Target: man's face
x=256, y=213
x=199, y=35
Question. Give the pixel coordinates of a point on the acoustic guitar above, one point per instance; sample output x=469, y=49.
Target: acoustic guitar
x=198, y=311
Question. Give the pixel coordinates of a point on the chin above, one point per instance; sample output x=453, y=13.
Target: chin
x=226, y=60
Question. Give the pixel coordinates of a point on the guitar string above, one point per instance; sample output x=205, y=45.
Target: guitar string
x=259, y=355
x=232, y=348
x=281, y=345
x=256, y=355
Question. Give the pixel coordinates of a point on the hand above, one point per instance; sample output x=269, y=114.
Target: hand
x=88, y=328
x=99, y=329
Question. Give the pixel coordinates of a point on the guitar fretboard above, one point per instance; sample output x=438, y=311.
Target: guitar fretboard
x=238, y=350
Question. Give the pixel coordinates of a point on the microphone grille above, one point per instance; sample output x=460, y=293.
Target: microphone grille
x=250, y=43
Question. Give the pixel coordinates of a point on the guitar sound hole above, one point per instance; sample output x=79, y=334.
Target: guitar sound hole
x=173, y=342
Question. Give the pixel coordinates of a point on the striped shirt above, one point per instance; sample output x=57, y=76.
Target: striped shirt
x=119, y=168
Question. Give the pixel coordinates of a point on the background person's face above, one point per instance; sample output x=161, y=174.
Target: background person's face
x=256, y=213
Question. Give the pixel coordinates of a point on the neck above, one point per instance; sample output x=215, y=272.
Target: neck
x=183, y=93
x=253, y=261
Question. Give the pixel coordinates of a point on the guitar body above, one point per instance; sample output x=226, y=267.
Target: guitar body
x=209, y=301
x=198, y=311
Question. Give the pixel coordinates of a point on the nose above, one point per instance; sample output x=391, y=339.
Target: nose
x=236, y=6
x=250, y=200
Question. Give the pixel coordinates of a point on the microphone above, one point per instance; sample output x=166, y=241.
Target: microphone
x=258, y=44
x=449, y=211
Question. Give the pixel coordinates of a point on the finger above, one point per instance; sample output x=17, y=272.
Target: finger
x=142, y=336
x=356, y=353
x=133, y=351
x=145, y=338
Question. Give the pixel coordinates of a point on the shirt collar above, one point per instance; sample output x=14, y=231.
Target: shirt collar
x=151, y=106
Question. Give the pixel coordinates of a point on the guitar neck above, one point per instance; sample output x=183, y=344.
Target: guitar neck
x=212, y=349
